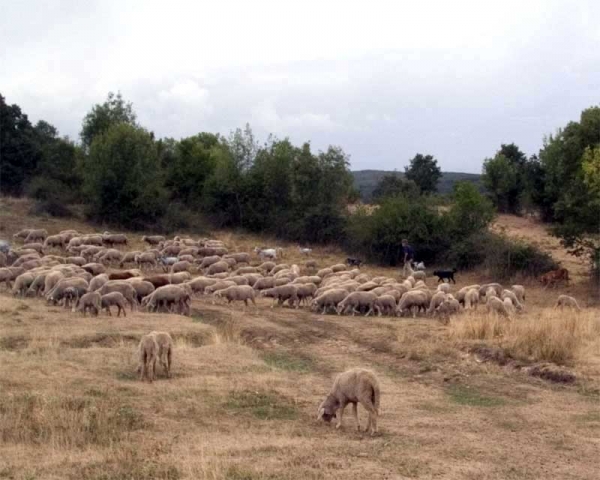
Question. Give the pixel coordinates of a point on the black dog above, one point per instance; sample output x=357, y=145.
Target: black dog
x=445, y=275
x=353, y=262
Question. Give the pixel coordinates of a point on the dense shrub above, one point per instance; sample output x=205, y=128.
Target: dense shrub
x=51, y=208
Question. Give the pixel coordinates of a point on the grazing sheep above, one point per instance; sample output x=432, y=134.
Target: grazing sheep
x=8, y=274
x=38, y=247
x=22, y=234
x=198, y=284
x=338, y=267
x=180, y=277
x=241, y=293
x=37, y=286
x=57, y=293
x=436, y=301
x=386, y=305
x=52, y=241
x=411, y=300
x=218, y=267
x=181, y=266
x=324, y=272
x=170, y=251
x=494, y=304
x=282, y=294
x=471, y=298
x=278, y=268
x=513, y=298
x=93, y=239
x=170, y=297
x=97, y=282
x=94, y=268
x=129, y=257
x=3, y=259
x=365, y=287
x=123, y=287
x=494, y=286
x=142, y=288
x=305, y=291
x=114, y=298
x=146, y=260
x=91, y=251
x=567, y=301
x=490, y=293
x=444, y=287
x=353, y=386
x=509, y=305
x=111, y=256
x=113, y=239
x=165, y=351
x=22, y=283
x=311, y=265
x=448, y=307
x=25, y=258
x=79, y=261
x=264, y=283
x=460, y=295
x=264, y=253
x=267, y=266
x=241, y=257
x=89, y=301
x=148, y=352
x=329, y=299
x=244, y=270
x=52, y=278
x=186, y=258
x=282, y=281
x=239, y=279
x=218, y=285
x=519, y=291
x=153, y=239
x=356, y=301
x=35, y=236
x=157, y=280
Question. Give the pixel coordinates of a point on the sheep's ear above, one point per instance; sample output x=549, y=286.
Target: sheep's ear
x=321, y=413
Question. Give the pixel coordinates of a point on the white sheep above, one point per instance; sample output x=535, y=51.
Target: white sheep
x=147, y=352
x=567, y=301
x=89, y=301
x=471, y=298
x=519, y=291
x=353, y=386
x=386, y=305
x=356, y=301
x=241, y=293
x=494, y=304
x=513, y=297
x=329, y=299
x=165, y=351
x=413, y=300
x=114, y=298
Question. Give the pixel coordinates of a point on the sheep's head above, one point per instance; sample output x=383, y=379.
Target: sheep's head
x=328, y=409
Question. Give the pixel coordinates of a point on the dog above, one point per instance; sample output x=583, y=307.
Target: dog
x=353, y=262
x=445, y=275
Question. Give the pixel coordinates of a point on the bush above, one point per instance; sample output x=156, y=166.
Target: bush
x=52, y=208
x=178, y=217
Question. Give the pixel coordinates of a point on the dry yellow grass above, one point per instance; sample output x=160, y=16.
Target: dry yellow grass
x=247, y=381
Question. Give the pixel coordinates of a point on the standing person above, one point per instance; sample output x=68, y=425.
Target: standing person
x=409, y=254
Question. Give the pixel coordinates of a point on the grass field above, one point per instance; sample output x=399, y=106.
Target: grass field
x=474, y=399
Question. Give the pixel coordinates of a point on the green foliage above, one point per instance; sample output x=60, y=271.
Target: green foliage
x=392, y=185
x=122, y=177
x=471, y=212
x=505, y=178
x=424, y=171
x=113, y=111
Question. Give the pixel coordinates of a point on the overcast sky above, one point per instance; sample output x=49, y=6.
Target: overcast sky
x=384, y=80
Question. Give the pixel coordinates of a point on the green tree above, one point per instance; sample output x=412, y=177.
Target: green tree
x=500, y=180
x=392, y=185
x=425, y=172
x=113, y=111
x=19, y=149
x=471, y=212
x=122, y=178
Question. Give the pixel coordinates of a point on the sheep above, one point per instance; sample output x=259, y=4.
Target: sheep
x=94, y=239
x=94, y=268
x=365, y=287
x=385, y=304
x=304, y=251
x=444, y=287
x=380, y=290
x=357, y=300
x=142, y=288
x=198, y=284
x=567, y=301
x=129, y=257
x=244, y=270
x=97, y=282
x=89, y=301
x=311, y=265
x=329, y=299
x=282, y=294
x=267, y=266
x=186, y=258
x=148, y=352
x=25, y=258
x=123, y=287
x=170, y=250
x=35, y=236
x=264, y=283
x=79, y=261
x=513, y=298
x=412, y=299
x=37, y=286
x=157, y=280
x=219, y=285
x=22, y=283
x=417, y=275
x=110, y=256
x=54, y=241
x=165, y=351
x=449, y=306
x=179, y=277
x=509, y=305
x=490, y=293
x=305, y=291
x=169, y=296
x=270, y=253
x=471, y=298
x=237, y=292
x=436, y=301
x=460, y=295
x=324, y=272
x=114, y=298
x=57, y=293
x=3, y=259
x=241, y=257
x=338, y=267
x=22, y=234
x=519, y=291
x=52, y=278
x=279, y=282
x=31, y=264
x=494, y=304
x=38, y=247
x=90, y=251
x=278, y=268
x=353, y=386
x=495, y=286
x=146, y=259
x=153, y=239
x=181, y=266
x=240, y=280
x=113, y=239
x=8, y=274
x=219, y=267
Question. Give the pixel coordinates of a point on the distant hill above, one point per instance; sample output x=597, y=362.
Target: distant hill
x=366, y=181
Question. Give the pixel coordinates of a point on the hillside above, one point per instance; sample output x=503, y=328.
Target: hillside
x=366, y=180
x=247, y=381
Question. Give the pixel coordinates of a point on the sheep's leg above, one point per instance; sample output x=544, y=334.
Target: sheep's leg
x=355, y=413
x=340, y=415
x=122, y=309
x=108, y=311
x=369, y=311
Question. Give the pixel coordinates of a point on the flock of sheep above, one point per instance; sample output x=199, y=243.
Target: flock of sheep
x=88, y=274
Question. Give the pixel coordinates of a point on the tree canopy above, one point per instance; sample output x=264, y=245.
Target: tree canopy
x=425, y=172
